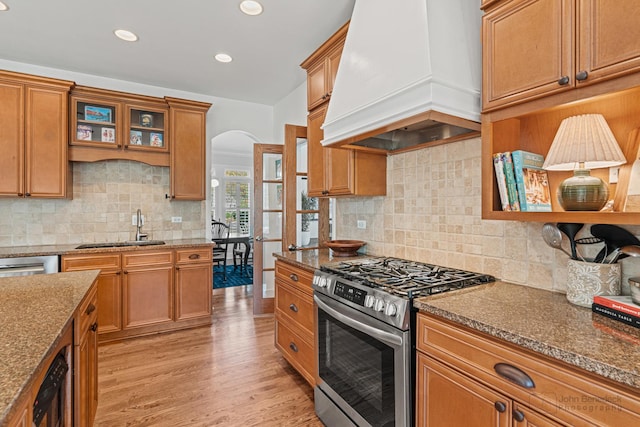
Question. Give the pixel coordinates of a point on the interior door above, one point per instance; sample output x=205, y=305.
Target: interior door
x=268, y=219
x=306, y=223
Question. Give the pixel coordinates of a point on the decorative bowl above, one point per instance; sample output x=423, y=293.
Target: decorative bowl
x=345, y=247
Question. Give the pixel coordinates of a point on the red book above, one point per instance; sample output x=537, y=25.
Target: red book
x=620, y=303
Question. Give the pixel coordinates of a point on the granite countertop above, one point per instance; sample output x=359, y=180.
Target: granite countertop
x=44, y=250
x=311, y=259
x=546, y=323
x=34, y=312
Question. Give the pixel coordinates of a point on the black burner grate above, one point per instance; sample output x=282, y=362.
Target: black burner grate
x=406, y=278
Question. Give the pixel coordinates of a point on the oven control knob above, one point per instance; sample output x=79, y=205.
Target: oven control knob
x=379, y=305
x=322, y=282
x=369, y=300
x=391, y=309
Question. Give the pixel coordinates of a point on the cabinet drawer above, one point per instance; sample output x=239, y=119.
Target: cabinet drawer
x=193, y=255
x=91, y=261
x=87, y=314
x=296, y=277
x=145, y=258
x=295, y=306
x=297, y=351
x=574, y=396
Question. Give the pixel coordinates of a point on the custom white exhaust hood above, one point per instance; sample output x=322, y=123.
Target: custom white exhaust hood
x=410, y=73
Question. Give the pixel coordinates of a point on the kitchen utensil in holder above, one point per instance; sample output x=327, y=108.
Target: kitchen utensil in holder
x=587, y=279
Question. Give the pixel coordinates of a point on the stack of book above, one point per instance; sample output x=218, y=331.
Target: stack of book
x=619, y=308
x=522, y=183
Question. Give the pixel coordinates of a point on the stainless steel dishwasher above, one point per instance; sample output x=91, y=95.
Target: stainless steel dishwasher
x=27, y=266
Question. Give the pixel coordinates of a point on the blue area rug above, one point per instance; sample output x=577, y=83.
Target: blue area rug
x=234, y=278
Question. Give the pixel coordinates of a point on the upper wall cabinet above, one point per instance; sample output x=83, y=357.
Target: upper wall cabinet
x=116, y=125
x=534, y=48
x=335, y=171
x=33, y=136
x=537, y=73
x=188, y=148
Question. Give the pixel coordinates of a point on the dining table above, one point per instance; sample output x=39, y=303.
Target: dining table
x=242, y=239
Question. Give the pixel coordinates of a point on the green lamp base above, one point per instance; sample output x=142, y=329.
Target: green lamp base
x=582, y=192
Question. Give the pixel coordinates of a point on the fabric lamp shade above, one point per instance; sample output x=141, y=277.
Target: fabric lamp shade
x=582, y=143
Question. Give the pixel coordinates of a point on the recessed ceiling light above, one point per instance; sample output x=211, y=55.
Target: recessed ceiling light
x=251, y=7
x=223, y=57
x=3, y=7
x=125, y=35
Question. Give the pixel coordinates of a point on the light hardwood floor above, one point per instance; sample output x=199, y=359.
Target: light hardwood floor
x=227, y=375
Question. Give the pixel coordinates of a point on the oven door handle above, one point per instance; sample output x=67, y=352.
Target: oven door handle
x=385, y=337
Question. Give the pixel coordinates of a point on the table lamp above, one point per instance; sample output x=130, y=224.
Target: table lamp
x=582, y=143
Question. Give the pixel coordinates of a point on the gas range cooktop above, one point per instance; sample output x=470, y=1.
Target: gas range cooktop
x=404, y=278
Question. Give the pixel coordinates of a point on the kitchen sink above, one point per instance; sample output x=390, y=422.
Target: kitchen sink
x=121, y=244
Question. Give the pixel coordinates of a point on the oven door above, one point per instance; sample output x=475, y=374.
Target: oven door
x=363, y=368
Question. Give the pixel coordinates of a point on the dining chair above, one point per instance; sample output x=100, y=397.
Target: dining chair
x=220, y=236
x=242, y=250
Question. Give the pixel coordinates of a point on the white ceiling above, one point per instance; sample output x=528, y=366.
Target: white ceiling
x=177, y=41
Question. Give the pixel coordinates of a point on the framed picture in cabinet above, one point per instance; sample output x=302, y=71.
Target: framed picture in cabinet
x=108, y=135
x=97, y=114
x=135, y=138
x=155, y=140
x=84, y=133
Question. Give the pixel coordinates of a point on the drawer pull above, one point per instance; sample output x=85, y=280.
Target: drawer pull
x=500, y=406
x=582, y=75
x=94, y=327
x=194, y=256
x=293, y=277
x=564, y=80
x=518, y=415
x=293, y=307
x=514, y=375
x=91, y=309
x=293, y=347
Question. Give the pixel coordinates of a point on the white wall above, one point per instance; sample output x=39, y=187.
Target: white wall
x=291, y=110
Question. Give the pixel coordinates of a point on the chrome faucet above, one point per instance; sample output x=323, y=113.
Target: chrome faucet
x=139, y=234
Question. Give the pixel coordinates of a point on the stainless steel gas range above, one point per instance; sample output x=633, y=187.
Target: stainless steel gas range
x=365, y=336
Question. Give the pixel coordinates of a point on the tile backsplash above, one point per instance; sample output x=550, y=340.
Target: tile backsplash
x=105, y=196
x=432, y=213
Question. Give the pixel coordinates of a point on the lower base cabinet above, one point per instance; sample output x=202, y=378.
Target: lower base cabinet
x=467, y=378
x=294, y=319
x=141, y=292
x=86, y=361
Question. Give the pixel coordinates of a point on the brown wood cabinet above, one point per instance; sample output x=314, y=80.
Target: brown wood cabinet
x=147, y=288
x=34, y=120
x=335, y=171
x=86, y=361
x=107, y=125
x=148, y=291
x=109, y=292
x=194, y=278
x=295, y=325
x=526, y=105
x=531, y=49
x=188, y=158
x=467, y=378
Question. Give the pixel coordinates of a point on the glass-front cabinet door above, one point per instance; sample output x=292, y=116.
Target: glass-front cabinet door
x=147, y=130
x=95, y=123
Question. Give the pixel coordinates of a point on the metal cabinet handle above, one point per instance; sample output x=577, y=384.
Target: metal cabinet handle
x=564, y=80
x=500, y=406
x=582, y=75
x=91, y=309
x=293, y=347
x=259, y=238
x=27, y=194
x=194, y=256
x=293, y=277
x=293, y=307
x=518, y=415
x=513, y=374
x=94, y=327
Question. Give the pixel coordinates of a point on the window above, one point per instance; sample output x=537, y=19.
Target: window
x=237, y=209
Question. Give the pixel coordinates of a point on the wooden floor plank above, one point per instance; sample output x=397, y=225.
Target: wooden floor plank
x=227, y=375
